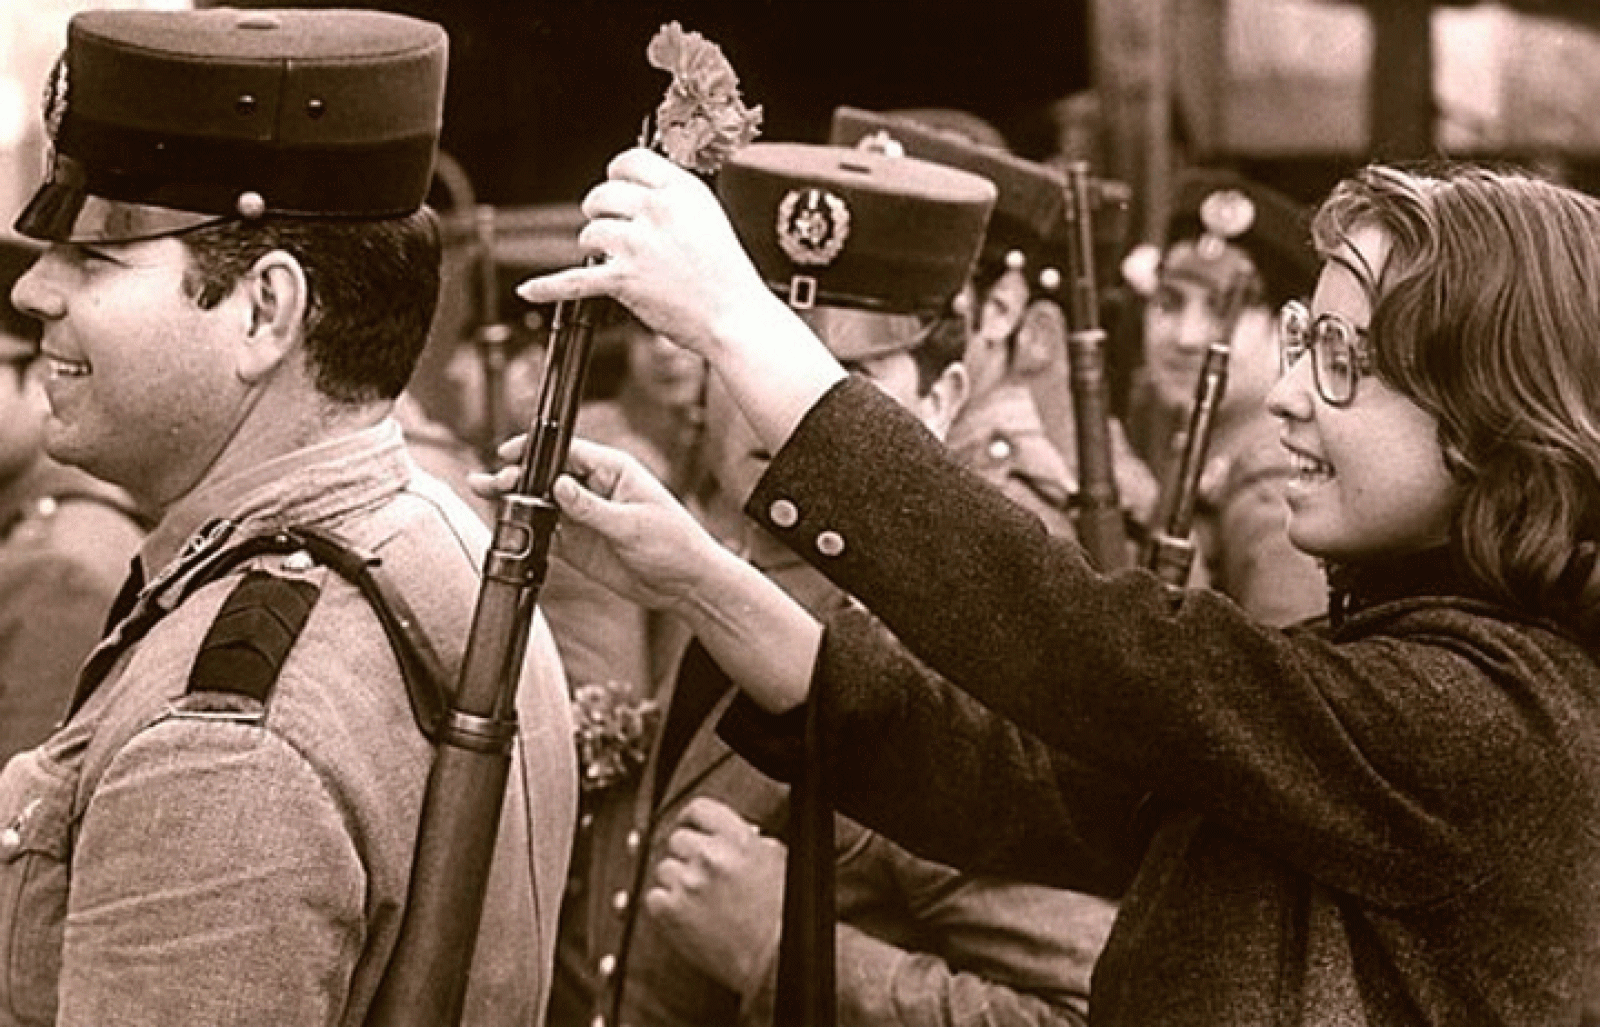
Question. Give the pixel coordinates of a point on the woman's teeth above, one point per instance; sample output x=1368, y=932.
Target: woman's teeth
x=60, y=368
x=1309, y=468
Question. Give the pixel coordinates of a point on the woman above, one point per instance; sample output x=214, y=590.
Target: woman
x=1388, y=820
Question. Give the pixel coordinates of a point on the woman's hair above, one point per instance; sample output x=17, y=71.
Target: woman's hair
x=1487, y=314
x=374, y=286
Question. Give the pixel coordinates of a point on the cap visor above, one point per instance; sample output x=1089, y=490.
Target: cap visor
x=61, y=212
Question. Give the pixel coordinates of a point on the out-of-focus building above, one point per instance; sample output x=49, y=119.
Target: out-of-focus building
x=32, y=34
x=1330, y=83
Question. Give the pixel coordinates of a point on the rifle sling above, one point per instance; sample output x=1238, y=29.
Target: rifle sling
x=805, y=989
x=420, y=666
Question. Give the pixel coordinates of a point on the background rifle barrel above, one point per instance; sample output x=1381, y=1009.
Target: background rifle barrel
x=1171, y=552
x=490, y=335
x=426, y=981
x=1099, y=518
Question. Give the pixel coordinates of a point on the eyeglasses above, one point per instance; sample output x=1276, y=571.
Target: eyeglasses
x=1339, y=354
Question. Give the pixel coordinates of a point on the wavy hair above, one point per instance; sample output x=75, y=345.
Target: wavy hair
x=1487, y=315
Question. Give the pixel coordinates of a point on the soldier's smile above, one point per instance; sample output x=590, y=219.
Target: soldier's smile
x=61, y=367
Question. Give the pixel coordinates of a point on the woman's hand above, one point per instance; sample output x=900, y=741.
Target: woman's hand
x=619, y=525
x=670, y=256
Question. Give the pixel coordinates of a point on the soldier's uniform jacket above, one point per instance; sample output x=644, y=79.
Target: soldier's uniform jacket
x=1001, y=438
x=175, y=857
x=918, y=943
x=65, y=543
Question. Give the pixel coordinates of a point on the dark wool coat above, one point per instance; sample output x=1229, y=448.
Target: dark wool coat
x=1392, y=822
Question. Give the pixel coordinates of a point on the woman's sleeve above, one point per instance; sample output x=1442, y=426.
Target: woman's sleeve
x=927, y=766
x=1403, y=763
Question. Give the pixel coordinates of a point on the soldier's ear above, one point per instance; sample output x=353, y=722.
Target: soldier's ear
x=946, y=398
x=276, y=298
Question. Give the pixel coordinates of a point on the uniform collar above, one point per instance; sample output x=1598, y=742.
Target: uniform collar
x=304, y=488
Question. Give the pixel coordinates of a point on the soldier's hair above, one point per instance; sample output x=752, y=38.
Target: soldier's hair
x=944, y=340
x=373, y=288
x=1487, y=314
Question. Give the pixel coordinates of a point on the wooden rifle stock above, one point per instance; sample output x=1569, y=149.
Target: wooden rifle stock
x=1171, y=549
x=1099, y=517
x=426, y=980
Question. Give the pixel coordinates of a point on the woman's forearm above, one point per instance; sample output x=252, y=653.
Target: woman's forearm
x=761, y=638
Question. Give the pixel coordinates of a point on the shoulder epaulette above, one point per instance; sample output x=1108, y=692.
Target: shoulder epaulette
x=251, y=637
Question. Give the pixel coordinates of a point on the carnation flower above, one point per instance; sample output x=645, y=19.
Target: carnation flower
x=613, y=730
x=701, y=120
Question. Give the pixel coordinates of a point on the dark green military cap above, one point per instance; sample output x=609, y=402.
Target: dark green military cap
x=836, y=227
x=165, y=120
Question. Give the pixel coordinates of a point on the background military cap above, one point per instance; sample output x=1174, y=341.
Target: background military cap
x=19, y=333
x=1030, y=214
x=1217, y=212
x=165, y=120
x=832, y=226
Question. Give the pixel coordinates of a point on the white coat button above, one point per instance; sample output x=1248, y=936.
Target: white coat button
x=598, y=1021
x=633, y=841
x=608, y=965
x=619, y=901
x=784, y=513
x=830, y=543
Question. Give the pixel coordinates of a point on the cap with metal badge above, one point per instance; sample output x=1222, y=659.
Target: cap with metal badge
x=1221, y=219
x=848, y=230
x=162, y=121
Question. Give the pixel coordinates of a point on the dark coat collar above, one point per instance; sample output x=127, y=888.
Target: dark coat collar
x=1354, y=587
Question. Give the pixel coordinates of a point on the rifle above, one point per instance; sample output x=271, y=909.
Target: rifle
x=426, y=982
x=1099, y=521
x=490, y=334
x=1170, y=552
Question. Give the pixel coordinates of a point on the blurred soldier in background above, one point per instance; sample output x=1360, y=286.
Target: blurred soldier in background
x=656, y=414
x=1017, y=345
x=65, y=539
x=1222, y=225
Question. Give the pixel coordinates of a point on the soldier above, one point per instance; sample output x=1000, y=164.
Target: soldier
x=239, y=279
x=1017, y=342
x=65, y=539
x=673, y=915
x=1224, y=224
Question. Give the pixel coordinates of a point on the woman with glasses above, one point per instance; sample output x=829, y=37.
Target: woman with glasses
x=1390, y=819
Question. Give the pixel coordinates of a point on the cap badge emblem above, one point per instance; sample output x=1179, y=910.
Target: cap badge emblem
x=881, y=142
x=1227, y=213
x=813, y=225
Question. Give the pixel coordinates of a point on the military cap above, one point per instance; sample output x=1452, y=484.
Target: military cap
x=19, y=333
x=1219, y=216
x=832, y=226
x=161, y=121
x=1031, y=217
